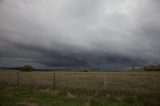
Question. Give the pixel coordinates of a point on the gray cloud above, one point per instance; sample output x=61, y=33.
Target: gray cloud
x=99, y=33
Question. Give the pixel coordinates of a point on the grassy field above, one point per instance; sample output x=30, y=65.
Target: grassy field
x=138, y=88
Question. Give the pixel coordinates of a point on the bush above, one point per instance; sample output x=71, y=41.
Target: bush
x=85, y=70
x=152, y=68
x=27, y=68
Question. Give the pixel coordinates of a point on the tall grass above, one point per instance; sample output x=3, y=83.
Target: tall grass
x=80, y=89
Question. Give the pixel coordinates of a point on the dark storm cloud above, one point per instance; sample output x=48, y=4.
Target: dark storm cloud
x=96, y=33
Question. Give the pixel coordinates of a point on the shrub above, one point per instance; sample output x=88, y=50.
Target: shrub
x=27, y=68
x=152, y=68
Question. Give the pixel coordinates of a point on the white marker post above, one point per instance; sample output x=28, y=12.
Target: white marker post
x=105, y=80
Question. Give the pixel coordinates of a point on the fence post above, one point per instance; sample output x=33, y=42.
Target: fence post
x=18, y=79
x=105, y=80
x=54, y=80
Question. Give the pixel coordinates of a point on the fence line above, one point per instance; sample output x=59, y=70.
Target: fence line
x=57, y=79
x=89, y=80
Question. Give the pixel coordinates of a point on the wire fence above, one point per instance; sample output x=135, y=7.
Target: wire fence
x=56, y=79
x=91, y=80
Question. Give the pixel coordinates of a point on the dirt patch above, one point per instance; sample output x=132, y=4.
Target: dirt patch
x=70, y=95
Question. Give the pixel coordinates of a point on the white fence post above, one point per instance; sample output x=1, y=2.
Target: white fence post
x=105, y=80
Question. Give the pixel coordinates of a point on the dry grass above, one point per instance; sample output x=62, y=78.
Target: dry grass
x=132, y=81
x=123, y=88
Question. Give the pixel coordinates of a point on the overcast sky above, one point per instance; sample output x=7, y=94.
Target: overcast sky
x=99, y=33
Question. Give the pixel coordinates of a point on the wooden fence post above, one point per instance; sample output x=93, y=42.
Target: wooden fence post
x=105, y=80
x=54, y=80
x=18, y=79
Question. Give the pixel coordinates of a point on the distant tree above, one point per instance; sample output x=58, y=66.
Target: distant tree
x=85, y=70
x=27, y=68
x=152, y=68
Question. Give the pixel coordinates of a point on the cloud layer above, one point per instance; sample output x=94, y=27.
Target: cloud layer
x=98, y=33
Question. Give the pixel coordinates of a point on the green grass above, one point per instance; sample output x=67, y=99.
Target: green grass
x=80, y=89
x=21, y=96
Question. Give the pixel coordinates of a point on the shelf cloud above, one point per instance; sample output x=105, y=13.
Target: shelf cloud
x=107, y=34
